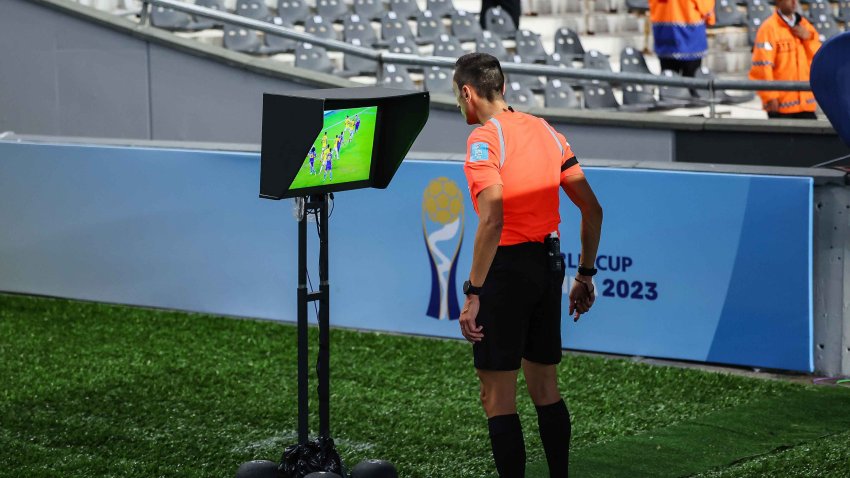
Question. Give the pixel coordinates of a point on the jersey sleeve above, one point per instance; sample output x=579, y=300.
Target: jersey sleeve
x=569, y=162
x=483, y=160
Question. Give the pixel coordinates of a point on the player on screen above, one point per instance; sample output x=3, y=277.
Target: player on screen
x=356, y=122
x=338, y=145
x=349, y=126
x=312, y=156
x=328, y=167
x=324, y=144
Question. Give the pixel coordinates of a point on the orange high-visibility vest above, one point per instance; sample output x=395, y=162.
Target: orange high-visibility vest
x=779, y=55
x=678, y=27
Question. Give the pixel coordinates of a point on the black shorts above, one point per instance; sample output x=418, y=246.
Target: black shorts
x=520, y=310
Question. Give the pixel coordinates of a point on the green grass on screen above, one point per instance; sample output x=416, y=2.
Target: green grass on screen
x=93, y=390
x=355, y=156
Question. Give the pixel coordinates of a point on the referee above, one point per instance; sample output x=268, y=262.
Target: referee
x=515, y=163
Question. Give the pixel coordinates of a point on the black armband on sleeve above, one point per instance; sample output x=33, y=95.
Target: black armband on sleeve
x=569, y=163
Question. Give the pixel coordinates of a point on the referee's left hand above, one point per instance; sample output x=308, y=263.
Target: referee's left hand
x=468, y=314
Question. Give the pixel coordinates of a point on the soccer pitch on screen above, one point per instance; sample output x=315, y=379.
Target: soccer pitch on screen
x=352, y=161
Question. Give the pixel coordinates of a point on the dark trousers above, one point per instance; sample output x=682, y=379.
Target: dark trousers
x=682, y=67
x=800, y=115
x=511, y=7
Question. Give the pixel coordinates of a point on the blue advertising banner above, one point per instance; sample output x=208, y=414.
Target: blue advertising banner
x=703, y=267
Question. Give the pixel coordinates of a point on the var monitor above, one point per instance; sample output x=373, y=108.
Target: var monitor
x=330, y=140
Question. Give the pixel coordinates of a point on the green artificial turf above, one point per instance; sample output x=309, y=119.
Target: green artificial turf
x=94, y=390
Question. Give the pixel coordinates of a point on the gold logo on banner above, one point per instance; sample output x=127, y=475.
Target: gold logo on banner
x=442, y=228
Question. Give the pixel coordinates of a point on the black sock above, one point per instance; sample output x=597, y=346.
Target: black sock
x=555, y=431
x=508, y=445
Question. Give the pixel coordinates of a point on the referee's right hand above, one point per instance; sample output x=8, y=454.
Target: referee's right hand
x=582, y=296
x=468, y=314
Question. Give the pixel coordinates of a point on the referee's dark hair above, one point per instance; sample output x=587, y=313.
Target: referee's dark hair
x=482, y=72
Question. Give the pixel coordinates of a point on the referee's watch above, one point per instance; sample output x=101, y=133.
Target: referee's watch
x=468, y=289
x=587, y=271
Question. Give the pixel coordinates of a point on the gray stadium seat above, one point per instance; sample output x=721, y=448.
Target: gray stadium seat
x=295, y=11
x=428, y=27
x=559, y=94
x=465, y=27
x=638, y=6
x=826, y=27
x=440, y=8
x=532, y=82
x=517, y=94
x=332, y=10
x=241, y=39
x=760, y=9
x=255, y=9
x=357, y=27
x=313, y=57
x=722, y=96
x=369, y=9
x=843, y=11
x=355, y=65
x=403, y=44
x=439, y=80
x=448, y=46
x=393, y=25
x=818, y=8
x=405, y=8
x=202, y=23
x=568, y=44
x=169, y=19
x=529, y=47
x=727, y=15
x=499, y=22
x=396, y=76
x=638, y=97
x=673, y=96
x=487, y=42
x=276, y=43
x=594, y=60
x=317, y=26
x=753, y=25
x=599, y=96
x=633, y=61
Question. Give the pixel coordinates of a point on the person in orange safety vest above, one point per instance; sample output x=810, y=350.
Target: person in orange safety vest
x=678, y=28
x=785, y=45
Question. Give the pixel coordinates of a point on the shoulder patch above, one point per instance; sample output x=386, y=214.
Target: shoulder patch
x=479, y=152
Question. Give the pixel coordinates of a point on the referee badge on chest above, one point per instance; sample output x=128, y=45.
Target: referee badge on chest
x=442, y=228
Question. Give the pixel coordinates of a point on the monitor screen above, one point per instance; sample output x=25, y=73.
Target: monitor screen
x=342, y=152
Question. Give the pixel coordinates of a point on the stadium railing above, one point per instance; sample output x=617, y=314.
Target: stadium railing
x=712, y=85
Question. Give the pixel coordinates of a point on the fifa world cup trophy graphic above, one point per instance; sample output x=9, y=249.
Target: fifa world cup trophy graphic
x=442, y=226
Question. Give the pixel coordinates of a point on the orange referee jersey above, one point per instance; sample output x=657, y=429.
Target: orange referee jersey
x=529, y=159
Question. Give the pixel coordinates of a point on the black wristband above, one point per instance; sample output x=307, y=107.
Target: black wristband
x=587, y=271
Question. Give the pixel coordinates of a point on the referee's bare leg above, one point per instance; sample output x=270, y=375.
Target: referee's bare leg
x=498, y=396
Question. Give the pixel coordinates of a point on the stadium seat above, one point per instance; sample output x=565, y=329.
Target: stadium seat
x=727, y=15
x=203, y=23
x=843, y=11
x=638, y=6
x=517, y=94
x=428, y=27
x=638, y=97
x=487, y=42
x=170, y=19
x=673, y=96
x=499, y=22
x=753, y=25
x=279, y=44
x=532, y=82
x=357, y=27
x=405, y=8
x=317, y=26
x=594, y=60
x=439, y=80
x=396, y=76
x=255, y=9
x=826, y=27
x=392, y=26
x=241, y=39
x=633, y=61
x=559, y=94
x=599, y=96
x=369, y=9
x=448, y=46
x=295, y=11
x=403, y=44
x=722, y=96
x=332, y=10
x=568, y=44
x=313, y=57
x=818, y=8
x=465, y=26
x=529, y=47
x=760, y=9
x=440, y=8
x=354, y=65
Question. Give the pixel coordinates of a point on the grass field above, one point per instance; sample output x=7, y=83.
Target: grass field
x=94, y=390
x=355, y=157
